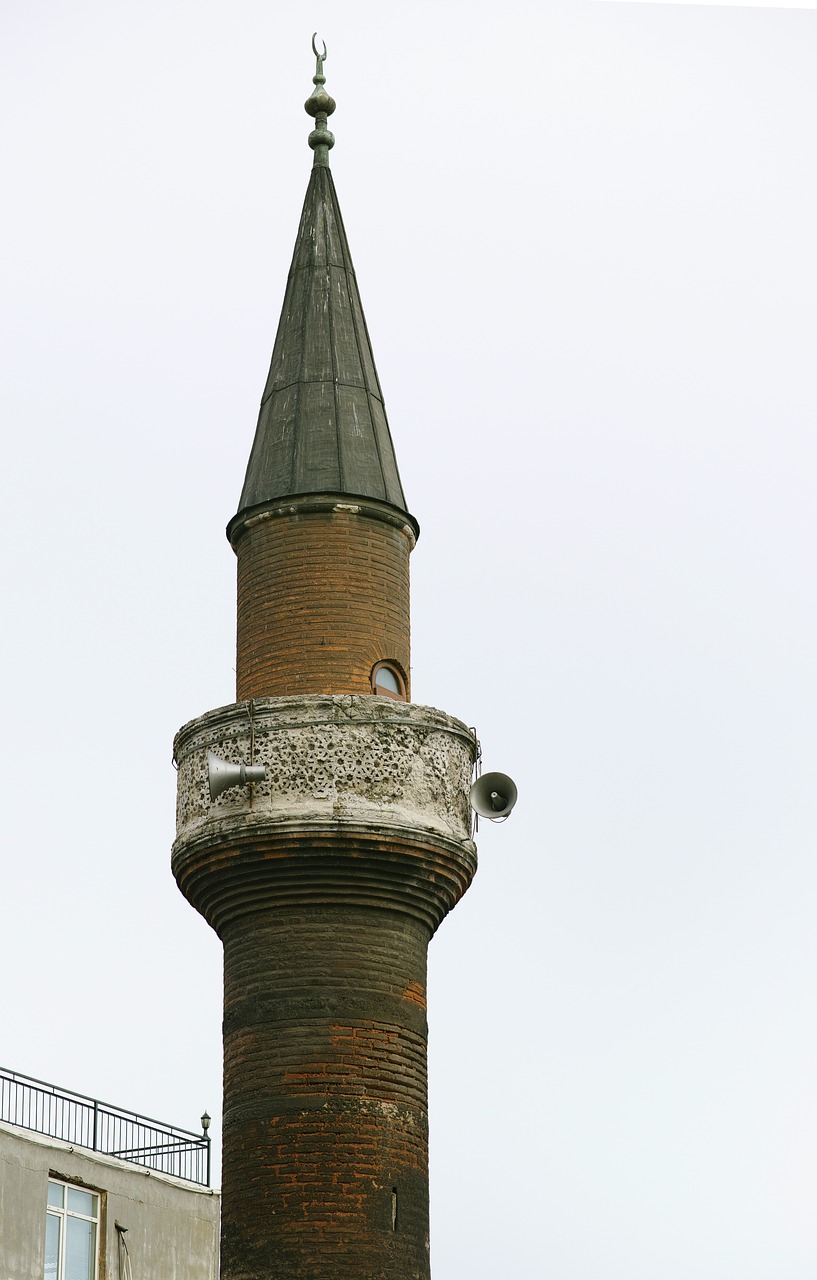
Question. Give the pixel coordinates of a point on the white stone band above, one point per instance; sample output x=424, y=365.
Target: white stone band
x=356, y=760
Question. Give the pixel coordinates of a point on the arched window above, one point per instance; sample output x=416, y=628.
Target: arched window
x=388, y=681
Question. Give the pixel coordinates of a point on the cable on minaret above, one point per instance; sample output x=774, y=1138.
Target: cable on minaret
x=320, y=106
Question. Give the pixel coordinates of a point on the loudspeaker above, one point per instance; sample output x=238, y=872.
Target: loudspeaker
x=222, y=774
x=493, y=795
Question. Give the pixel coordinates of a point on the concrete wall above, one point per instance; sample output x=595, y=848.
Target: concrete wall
x=173, y=1226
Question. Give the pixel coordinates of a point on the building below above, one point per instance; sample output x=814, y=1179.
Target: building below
x=68, y=1212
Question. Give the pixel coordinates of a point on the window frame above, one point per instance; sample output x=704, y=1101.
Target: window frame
x=63, y=1214
x=394, y=669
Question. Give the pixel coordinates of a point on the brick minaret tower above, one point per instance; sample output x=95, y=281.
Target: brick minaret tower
x=326, y=880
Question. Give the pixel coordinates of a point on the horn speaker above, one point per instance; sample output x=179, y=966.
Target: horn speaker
x=222, y=774
x=493, y=795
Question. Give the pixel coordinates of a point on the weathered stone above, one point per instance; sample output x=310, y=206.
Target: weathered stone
x=374, y=761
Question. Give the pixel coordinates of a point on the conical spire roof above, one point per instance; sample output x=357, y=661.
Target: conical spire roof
x=322, y=427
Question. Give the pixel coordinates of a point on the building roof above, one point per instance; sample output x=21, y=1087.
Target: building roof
x=322, y=427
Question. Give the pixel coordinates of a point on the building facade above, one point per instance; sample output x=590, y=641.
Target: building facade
x=346, y=837
x=68, y=1212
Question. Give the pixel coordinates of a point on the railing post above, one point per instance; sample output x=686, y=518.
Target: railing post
x=208, y=1159
x=96, y=1124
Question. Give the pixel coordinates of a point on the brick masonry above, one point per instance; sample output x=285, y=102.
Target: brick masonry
x=323, y=595
x=325, y=1096
x=325, y=883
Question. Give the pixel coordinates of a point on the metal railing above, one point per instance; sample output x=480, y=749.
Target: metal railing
x=86, y=1122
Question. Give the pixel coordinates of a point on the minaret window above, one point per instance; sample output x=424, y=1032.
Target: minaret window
x=387, y=680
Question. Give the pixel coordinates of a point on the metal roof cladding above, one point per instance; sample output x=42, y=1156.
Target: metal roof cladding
x=322, y=426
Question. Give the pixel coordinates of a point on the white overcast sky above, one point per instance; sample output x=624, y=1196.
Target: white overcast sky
x=585, y=238
x=741, y=4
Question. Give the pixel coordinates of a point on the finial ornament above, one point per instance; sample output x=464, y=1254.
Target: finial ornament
x=321, y=57
x=320, y=105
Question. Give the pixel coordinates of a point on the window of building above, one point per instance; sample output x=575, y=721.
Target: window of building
x=387, y=680
x=71, y=1233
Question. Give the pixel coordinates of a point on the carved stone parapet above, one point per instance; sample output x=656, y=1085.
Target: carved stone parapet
x=365, y=800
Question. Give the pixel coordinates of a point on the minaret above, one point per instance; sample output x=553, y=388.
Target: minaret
x=325, y=880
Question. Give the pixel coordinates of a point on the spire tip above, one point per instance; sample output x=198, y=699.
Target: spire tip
x=320, y=106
